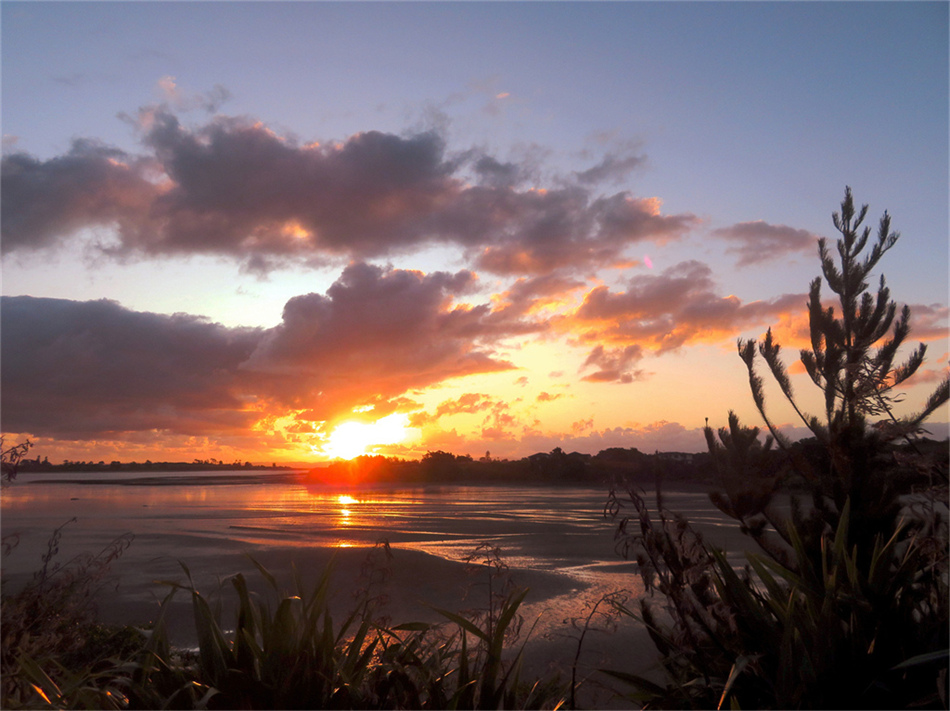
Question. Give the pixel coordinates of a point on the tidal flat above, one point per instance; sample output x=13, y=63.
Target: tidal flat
x=555, y=541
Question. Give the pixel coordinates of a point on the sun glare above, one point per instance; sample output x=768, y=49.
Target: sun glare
x=351, y=439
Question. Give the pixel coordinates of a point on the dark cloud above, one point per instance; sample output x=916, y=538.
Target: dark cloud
x=564, y=228
x=93, y=185
x=493, y=172
x=239, y=188
x=668, y=310
x=233, y=187
x=758, y=241
x=84, y=369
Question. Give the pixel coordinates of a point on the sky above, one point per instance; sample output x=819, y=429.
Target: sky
x=298, y=231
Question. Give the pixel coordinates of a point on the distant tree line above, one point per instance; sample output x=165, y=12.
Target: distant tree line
x=439, y=467
x=44, y=465
x=559, y=467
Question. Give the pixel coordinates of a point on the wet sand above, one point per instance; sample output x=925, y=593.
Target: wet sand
x=417, y=584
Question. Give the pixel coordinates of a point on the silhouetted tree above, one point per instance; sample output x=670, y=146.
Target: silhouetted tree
x=852, y=360
x=849, y=606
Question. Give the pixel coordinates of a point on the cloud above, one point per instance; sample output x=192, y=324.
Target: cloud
x=378, y=333
x=82, y=369
x=612, y=168
x=529, y=295
x=566, y=228
x=44, y=202
x=758, y=241
x=665, y=311
x=929, y=375
x=466, y=403
x=660, y=436
x=928, y=322
x=614, y=365
x=233, y=187
x=497, y=174
x=582, y=425
x=209, y=101
x=498, y=422
x=72, y=79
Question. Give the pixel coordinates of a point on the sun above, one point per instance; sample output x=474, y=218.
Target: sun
x=351, y=439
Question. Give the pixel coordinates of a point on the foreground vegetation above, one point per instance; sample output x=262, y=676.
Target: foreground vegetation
x=845, y=604
x=282, y=650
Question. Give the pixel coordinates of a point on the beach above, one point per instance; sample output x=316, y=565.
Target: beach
x=555, y=542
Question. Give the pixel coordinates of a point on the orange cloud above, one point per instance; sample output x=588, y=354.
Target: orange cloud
x=663, y=312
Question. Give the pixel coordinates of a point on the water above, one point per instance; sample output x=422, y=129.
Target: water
x=556, y=541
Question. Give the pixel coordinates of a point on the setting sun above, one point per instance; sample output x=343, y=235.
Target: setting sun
x=351, y=439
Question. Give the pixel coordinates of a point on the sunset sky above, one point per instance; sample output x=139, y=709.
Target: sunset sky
x=232, y=230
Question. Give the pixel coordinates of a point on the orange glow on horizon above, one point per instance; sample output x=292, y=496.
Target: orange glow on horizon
x=352, y=439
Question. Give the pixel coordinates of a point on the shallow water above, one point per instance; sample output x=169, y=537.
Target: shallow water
x=556, y=541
